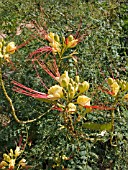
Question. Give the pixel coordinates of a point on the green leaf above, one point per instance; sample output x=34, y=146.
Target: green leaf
x=96, y=126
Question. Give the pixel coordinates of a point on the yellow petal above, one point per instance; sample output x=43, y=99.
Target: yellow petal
x=83, y=100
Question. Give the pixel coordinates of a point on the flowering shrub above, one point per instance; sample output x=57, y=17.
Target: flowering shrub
x=70, y=97
x=83, y=109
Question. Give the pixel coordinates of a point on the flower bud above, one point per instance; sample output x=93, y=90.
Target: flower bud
x=51, y=34
x=70, y=38
x=77, y=79
x=76, y=86
x=115, y=88
x=11, y=153
x=57, y=38
x=55, y=92
x=50, y=37
x=71, y=107
x=72, y=92
x=64, y=79
x=6, y=157
x=6, y=57
x=55, y=46
x=71, y=42
x=17, y=151
x=83, y=87
x=83, y=100
x=63, y=39
x=110, y=81
x=72, y=81
x=69, y=86
x=22, y=162
x=47, y=37
x=11, y=48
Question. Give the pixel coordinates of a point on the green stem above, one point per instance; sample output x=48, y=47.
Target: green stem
x=61, y=55
x=112, y=120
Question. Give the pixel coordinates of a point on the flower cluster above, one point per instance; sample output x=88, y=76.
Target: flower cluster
x=57, y=46
x=69, y=90
x=5, y=51
x=54, y=42
x=118, y=85
x=73, y=91
x=10, y=159
x=71, y=42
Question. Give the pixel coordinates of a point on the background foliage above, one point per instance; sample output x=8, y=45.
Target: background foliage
x=102, y=53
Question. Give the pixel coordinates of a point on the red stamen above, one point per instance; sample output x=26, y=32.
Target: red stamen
x=106, y=91
x=41, y=50
x=28, y=91
x=100, y=107
x=45, y=68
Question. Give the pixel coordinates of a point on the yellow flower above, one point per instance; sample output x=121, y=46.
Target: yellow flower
x=11, y=153
x=54, y=42
x=6, y=157
x=64, y=79
x=17, y=151
x=56, y=46
x=7, y=57
x=71, y=42
x=55, y=92
x=12, y=163
x=72, y=90
x=3, y=164
x=71, y=107
x=22, y=162
x=83, y=100
x=52, y=37
x=115, y=88
x=11, y=48
x=83, y=87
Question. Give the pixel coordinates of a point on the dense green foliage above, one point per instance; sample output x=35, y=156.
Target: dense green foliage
x=102, y=53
